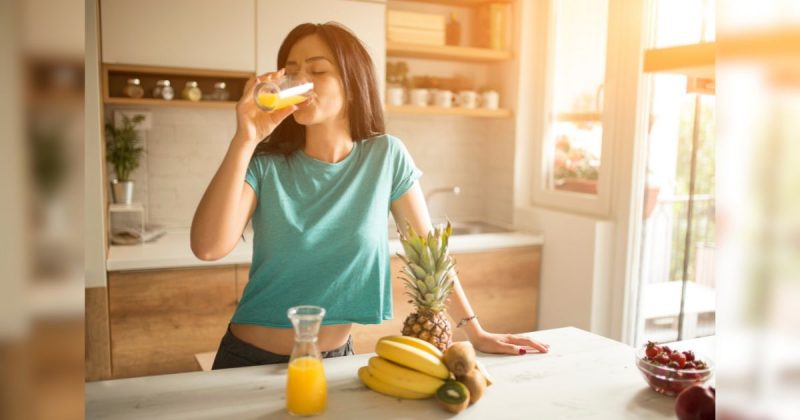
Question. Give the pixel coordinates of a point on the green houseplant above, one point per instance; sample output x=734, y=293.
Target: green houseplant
x=123, y=151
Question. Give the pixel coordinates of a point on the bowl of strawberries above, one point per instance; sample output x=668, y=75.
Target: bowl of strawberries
x=669, y=371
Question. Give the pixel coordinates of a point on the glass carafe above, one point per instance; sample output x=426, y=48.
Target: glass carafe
x=306, y=388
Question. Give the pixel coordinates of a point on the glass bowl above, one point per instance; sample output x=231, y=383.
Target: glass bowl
x=669, y=381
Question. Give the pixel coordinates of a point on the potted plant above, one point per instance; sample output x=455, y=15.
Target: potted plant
x=123, y=152
x=574, y=169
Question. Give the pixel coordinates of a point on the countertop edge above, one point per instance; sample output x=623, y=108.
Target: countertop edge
x=242, y=254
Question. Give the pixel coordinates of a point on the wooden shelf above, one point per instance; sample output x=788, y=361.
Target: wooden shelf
x=579, y=117
x=459, y=3
x=696, y=60
x=447, y=52
x=150, y=102
x=115, y=77
x=432, y=110
x=177, y=71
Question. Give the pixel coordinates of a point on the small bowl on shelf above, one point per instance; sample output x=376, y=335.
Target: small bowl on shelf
x=671, y=381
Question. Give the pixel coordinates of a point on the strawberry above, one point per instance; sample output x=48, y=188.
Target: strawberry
x=679, y=358
x=652, y=350
x=662, y=358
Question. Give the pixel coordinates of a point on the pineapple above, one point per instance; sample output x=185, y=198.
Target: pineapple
x=427, y=279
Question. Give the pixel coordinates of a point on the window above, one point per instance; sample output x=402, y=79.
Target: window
x=573, y=145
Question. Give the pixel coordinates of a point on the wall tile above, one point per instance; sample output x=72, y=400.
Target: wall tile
x=185, y=147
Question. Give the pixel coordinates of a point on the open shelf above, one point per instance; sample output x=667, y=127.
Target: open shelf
x=151, y=102
x=446, y=52
x=115, y=78
x=696, y=60
x=458, y=3
x=579, y=117
x=433, y=110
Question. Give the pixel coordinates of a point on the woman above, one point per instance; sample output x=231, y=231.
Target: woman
x=319, y=190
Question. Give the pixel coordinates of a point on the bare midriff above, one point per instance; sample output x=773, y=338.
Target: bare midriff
x=281, y=340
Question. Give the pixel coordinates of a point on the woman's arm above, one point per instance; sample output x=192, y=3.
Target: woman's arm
x=226, y=206
x=229, y=202
x=411, y=206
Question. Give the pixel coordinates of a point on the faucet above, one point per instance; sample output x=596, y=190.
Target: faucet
x=455, y=190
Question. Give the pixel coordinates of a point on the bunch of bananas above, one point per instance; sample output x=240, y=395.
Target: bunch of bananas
x=406, y=367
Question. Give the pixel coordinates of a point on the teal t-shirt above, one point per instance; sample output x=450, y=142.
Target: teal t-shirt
x=320, y=233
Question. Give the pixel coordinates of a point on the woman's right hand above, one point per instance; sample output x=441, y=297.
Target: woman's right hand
x=253, y=124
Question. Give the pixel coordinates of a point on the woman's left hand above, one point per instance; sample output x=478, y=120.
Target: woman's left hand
x=506, y=343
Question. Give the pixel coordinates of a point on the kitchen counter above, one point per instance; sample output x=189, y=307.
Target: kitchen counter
x=172, y=250
x=583, y=376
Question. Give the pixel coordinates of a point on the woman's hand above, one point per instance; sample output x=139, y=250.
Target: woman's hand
x=506, y=343
x=253, y=124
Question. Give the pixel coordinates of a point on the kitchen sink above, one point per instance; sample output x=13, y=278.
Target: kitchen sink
x=461, y=228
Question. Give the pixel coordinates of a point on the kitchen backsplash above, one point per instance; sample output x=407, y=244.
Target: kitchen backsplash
x=184, y=149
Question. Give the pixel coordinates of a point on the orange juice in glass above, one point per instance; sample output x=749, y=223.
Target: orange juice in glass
x=283, y=92
x=306, y=387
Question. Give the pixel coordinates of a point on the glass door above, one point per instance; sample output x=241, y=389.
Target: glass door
x=677, y=298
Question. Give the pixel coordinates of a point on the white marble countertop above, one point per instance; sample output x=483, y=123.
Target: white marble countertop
x=172, y=250
x=585, y=376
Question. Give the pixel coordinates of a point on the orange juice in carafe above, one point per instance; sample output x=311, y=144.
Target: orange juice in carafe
x=283, y=92
x=306, y=387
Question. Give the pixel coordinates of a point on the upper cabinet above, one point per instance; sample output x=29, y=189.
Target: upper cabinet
x=366, y=19
x=200, y=34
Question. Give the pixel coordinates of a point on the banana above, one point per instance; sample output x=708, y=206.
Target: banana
x=482, y=368
x=402, y=377
x=416, y=342
x=412, y=357
x=379, y=386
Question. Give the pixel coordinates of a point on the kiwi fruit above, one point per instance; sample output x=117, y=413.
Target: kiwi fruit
x=453, y=396
x=460, y=358
x=476, y=383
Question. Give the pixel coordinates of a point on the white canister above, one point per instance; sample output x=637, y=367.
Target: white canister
x=467, y=99
x=490, y=99
x=395, y=95
x=419, y=97
x=443, y=99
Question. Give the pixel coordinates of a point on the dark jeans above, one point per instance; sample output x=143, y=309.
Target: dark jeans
x=234, y=352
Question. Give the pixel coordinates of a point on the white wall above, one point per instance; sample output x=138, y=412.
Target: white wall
x=13, y=171
x=94, y=233
x=575, y=272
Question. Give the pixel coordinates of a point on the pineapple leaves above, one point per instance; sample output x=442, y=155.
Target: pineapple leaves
x=427, y=266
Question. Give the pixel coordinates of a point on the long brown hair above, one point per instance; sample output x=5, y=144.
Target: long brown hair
x=364, y=109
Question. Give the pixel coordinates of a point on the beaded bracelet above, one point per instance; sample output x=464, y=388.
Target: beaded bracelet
x=465, y=320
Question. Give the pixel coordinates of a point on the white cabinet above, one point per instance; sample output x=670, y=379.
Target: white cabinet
x=200, y=34
x=366, y=19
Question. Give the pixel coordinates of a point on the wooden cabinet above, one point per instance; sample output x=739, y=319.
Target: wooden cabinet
x=501, y=285
x=160, y=319
x=277, y=18
x=200, y=34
